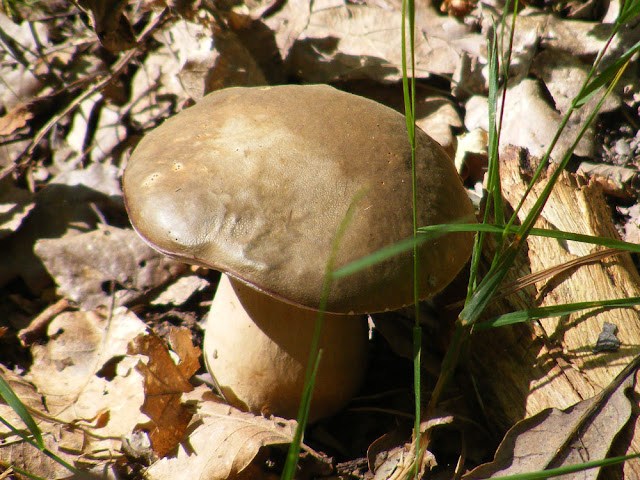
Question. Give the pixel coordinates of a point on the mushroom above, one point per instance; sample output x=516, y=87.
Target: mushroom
x=255, y=182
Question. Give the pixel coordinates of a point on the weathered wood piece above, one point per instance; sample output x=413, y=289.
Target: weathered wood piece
x=523, y=369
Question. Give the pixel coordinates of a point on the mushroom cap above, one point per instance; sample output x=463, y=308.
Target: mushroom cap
x=255, y=182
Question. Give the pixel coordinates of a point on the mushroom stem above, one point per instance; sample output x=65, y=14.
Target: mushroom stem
x=257, y=349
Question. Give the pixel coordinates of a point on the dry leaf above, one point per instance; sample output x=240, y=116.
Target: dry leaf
x=615, y=180
x=382, y=447
x=85, y=378
x=356, y=42
x=289, y=23
x=123, y=258
x=98, y=125
x=563, y=74
x=15, y=119
x=19, y=78
x=164, y=384
x=72, y=202
x=174, y=72
x=181, y=290
x=529, y=122
x=224, y=442
x=232, y=65
x=457, y=8
x=555, y=438
x=26, y=392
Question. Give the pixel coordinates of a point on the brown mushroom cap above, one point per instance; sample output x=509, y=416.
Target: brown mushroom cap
x=255, y=182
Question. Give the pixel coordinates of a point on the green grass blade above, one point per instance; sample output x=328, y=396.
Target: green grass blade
x=315, y=353
x=42, y=448
x=498, y=271
x=555, y=311
x=605, y=76
x=20, y=471
x=431, y=232
x=556, y=472
x=291, y=463
x=539, y=232
x=11, y=399
x=409, y=93
x=629, y=10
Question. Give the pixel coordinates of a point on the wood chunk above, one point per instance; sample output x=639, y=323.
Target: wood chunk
x=523, y=369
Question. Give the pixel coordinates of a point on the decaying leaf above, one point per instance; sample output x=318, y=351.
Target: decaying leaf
x=164, y=384
x=20, y=77
x=17, y=453
x=615, y=180
x=289, y=23
x=27, y=394
x=554, y=438
x=402, y=461
x=232, y=65
x=563, y=74
x=97, y=129
x=110, y=261
x=88, y=384
x=223, y=443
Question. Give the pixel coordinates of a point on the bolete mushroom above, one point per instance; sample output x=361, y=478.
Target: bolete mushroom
x=255, y=182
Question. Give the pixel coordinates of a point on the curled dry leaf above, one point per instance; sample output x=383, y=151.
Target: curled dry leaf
x=224, y=442
x=164, y=383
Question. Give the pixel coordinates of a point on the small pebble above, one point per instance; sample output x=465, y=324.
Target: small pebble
x=607, y=340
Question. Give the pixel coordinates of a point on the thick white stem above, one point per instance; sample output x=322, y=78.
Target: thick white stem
x=257, y=349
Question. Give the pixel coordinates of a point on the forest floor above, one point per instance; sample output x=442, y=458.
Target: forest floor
x=87, y=308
